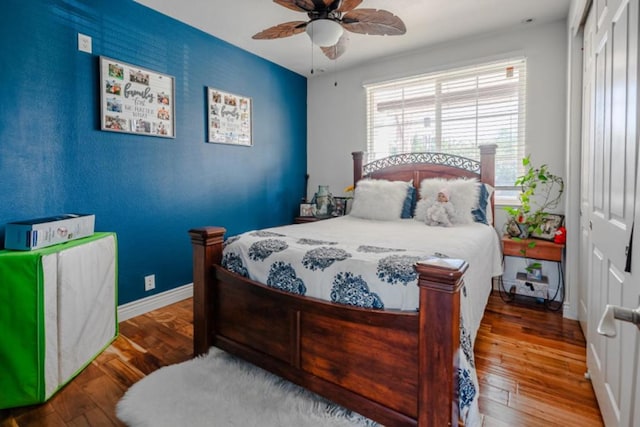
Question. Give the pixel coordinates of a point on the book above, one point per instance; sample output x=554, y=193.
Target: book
x=448, y=263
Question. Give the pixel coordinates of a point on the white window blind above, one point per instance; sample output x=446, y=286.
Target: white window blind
x=453, y=111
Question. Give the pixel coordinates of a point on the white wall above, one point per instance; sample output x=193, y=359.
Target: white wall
x=336, y=114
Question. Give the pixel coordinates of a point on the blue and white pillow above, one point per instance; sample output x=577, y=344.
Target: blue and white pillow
x=482, y=211
x=409, y=202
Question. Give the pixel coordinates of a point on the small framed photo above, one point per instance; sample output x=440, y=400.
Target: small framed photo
x=550, y=224
x=307, y=209
x=516, y=229
x=340, y=206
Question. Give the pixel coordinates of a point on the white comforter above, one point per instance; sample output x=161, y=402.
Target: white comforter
x=370, y=264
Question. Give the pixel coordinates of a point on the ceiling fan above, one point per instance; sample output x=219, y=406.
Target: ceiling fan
x=329, y=18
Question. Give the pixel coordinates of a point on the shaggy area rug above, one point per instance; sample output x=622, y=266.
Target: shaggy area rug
x=222, y=391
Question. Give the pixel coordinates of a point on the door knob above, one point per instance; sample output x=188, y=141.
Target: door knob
x=607, y=325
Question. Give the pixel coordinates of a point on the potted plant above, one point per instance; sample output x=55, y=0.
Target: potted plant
x=540, y=192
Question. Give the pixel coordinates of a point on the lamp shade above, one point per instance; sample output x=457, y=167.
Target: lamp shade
x=324, y=32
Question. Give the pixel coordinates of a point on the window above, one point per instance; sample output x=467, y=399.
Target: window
x=453, y=111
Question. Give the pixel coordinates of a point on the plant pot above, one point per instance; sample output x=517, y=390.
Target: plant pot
x=534, y=273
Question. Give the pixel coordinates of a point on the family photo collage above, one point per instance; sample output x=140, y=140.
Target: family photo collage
x=139, y=101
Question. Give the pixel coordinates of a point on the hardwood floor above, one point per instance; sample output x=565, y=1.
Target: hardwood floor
x=531, y=366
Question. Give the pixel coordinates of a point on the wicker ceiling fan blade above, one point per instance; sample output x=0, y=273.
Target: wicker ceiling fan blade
x=297, y=5
x=348, y=5
x=335, y=51
x=319, y=6
x=282, y=30
x=373, y=21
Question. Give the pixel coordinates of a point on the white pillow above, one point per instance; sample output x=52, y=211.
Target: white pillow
x=379, y=199
x=463, y=195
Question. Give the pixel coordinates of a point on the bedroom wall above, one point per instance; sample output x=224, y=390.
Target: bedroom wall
x=337, y=131
x=149, y=190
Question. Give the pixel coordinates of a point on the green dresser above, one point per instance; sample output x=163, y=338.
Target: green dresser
x=58, y=311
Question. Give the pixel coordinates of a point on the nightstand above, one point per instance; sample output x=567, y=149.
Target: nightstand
x=542, y=251
x=304, y=219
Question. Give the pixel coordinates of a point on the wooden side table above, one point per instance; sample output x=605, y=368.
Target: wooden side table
x=542, y=251
x=304, y=219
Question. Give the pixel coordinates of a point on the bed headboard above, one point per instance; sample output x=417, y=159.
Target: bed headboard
x=419, y=166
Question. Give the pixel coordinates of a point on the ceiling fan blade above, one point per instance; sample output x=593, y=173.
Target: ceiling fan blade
x=297, y=5
x=335, y=51
x=319, y=5
x=282, y=30
x=348, y=5
x=373, y=21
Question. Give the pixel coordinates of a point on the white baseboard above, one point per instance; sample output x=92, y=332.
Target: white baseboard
x=144, y=305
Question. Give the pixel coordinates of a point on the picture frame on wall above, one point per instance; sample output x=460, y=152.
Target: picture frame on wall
x=229, y=118
x=549, y=226
x=136, y=100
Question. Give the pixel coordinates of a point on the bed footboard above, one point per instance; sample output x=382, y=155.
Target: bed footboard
x=398, y=368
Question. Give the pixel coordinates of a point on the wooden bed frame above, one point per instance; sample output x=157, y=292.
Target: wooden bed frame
x=391, y=366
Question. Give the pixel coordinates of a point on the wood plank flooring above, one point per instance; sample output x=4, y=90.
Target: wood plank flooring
x=531, y=366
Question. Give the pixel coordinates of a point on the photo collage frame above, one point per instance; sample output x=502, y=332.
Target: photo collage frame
x=136, y=100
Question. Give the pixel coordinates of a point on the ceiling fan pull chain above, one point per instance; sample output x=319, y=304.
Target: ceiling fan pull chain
x=335, y=64
x=312, y=58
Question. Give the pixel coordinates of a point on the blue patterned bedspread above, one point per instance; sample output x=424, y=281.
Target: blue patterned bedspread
x=349, y=272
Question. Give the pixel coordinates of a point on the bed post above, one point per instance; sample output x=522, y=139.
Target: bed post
x=488, y=170
x=439, y=324
x=207, y=251
x=488, y=163
x=357, y=166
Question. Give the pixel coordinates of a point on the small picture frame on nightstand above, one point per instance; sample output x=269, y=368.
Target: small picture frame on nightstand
x=549, y=226
x=340, y=206
x=307, y=209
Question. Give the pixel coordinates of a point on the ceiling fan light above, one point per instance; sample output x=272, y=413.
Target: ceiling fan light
x=324, y=32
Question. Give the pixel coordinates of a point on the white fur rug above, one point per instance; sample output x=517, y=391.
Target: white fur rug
x=222, y=391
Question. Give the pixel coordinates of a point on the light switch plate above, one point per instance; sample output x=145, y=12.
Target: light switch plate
x=84, y=43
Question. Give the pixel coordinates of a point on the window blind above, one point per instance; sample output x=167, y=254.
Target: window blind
x=453, y=111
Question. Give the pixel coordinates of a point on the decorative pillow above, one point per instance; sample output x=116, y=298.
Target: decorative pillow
x=379, y=199
x=409, y=202
x=482, y=211
x=463, y=195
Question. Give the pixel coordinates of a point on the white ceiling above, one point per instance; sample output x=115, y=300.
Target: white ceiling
x=428, y=22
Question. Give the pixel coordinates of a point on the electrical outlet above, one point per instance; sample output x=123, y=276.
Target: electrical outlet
x=149, y=282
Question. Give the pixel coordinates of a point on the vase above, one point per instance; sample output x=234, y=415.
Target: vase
x=324, y=202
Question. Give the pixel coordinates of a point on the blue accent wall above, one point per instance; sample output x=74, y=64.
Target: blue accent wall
x=150, y=191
